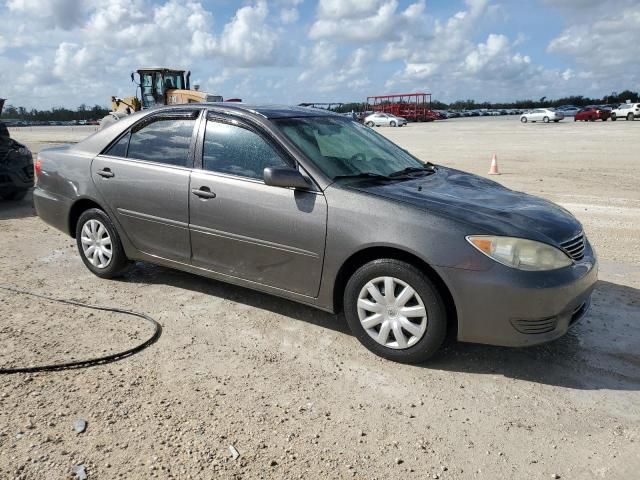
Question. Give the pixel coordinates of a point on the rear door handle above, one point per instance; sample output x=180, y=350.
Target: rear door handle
x=203, y=192
x=105, y=173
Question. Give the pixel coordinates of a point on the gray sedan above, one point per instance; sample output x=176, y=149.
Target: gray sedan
x=316, y=208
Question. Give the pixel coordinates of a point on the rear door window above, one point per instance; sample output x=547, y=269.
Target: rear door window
x=119, y=149
x=165, y=140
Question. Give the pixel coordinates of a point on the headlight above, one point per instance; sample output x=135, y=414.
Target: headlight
x=520, y=253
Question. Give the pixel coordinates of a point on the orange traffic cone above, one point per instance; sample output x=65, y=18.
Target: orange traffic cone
x=494, y=166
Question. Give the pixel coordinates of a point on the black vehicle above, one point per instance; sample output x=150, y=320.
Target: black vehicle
x=16, y=167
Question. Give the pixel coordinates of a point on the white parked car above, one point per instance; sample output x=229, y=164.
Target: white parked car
x=629, y=111
x=545, y=115
x=384, y=119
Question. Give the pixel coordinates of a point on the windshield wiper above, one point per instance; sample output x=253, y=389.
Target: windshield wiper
x=361, y=175
x=427, y=168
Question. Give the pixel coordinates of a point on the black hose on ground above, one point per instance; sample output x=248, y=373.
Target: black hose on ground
x=92, y=361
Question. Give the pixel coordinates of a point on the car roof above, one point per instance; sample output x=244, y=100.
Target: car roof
x=270, y=111
x=99, y=140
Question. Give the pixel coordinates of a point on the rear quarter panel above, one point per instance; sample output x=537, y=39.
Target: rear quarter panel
x=64, y=179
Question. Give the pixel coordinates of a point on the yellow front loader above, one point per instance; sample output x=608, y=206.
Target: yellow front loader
x=157, y=86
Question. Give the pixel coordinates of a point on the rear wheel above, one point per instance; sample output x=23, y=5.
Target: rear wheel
x=395, y=311
x=369, y=124
x=630, y=117
x=523, y=119
x=556, y=121
x=99, y=245
x=613, y=117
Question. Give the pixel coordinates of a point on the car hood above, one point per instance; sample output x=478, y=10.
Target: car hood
x=487, y=206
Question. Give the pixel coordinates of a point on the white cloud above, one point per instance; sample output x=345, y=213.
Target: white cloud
x=362, y=20
x=289, y=11
x=64, y=14
x=247, y=39
x=328, y=71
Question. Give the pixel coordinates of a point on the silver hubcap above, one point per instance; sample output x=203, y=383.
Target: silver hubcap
x=392, y=313
x=96, y=244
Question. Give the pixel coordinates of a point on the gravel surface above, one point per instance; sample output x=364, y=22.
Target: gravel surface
x=244, y=385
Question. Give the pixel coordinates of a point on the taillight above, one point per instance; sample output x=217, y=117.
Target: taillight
x=38, y=167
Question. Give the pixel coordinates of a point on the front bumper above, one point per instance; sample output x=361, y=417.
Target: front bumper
x=507, y=307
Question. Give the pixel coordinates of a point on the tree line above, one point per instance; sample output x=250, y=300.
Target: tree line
x=544, y=102
x=60, y=114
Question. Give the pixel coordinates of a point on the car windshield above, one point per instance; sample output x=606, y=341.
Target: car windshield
x=341, y=147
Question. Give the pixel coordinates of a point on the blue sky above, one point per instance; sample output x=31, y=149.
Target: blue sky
x=67, y=52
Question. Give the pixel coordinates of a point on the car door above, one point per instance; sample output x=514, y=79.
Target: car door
x=243, y=228
x=143, y=178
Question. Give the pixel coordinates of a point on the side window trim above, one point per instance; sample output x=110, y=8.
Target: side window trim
x=126, y=133
x=195, y=114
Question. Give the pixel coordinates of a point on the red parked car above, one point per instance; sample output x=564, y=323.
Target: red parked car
x=591, y=114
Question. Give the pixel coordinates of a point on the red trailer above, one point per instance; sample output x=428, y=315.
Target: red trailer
x=414, y=107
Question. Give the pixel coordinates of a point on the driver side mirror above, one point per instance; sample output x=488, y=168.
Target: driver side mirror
x=284, y=177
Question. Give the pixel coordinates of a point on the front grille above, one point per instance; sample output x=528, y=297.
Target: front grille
x=575, y=247
x=544, y=325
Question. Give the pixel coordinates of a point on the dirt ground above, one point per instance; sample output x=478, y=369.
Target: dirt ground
x=291, y=389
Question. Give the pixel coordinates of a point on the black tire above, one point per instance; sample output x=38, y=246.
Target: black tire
x=630, y=117
x=15, y=195
x=575, y=119
x=556, y=121
x=613, y=117
x=604, y=119
x=119, y=263
x=524, y=119
x=434, y=305
x=545, y=119
x=370, y=124
x=392, y=123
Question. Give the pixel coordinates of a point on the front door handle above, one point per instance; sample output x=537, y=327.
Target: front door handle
x=203, y=192
x=105, y=173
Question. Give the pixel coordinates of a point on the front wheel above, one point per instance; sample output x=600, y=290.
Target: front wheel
x=395, y=311
x=392, y=124
x=556, y=121
x=613, y=117
x=630, y=117
x=99, y=245
x=545, y=119
x=369, y=124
